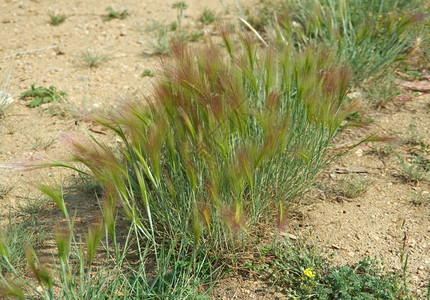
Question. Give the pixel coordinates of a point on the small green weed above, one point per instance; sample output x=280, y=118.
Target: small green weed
x=159, y=34
x=207, y=17
x=4, y=190
x=382, y=151
x=147, y=73
x=92, y=59
x=42, y=95
x=420, y=198
x=379, y=91
x=173, y=26
x=415, y=74
x=121, y=14
x=352, y=186
x=416, y=170
x=414, y=137
x=57, y=19
x=163, y=34
x=42, y=143
x=180, y=6
x=195, y=36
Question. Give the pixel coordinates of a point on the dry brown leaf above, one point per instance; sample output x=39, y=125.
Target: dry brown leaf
x=421, y=86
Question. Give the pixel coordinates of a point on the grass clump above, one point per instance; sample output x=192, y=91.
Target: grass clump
x=420, y=198
x=223, y=144
x=57, y=19
x=42, y=95
x=369, y=35
x=214, y=134
x=16, y=234
x=147, y=73
x=160, y=38
x=352, y=186
x=207, y=17
x=121, y=14
x=415, y=169
x=92, y=59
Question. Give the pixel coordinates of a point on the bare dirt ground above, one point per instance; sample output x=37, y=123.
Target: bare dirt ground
x=384, y=221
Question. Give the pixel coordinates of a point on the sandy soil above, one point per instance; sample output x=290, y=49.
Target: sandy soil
x=381, y=222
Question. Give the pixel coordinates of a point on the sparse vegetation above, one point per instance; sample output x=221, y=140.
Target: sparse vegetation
x=352, y=186
x=414, y=170
x=121, y=14
x=380, y=91
x=420, y=198
x=302, y=271
x=57, y=19
x=180, y=7
x=207, y=17
x=162, y=35
x=4, y=190
x=42, y=95
x=147, y=73
x=42, y=144
x=344, y=26
x=160, y=42
x=93, y=59
x=16, y=234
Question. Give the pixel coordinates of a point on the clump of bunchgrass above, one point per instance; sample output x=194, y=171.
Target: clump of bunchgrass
x=15, y=234
x=223, y=143
x=352, y=186
x=414, y=169
x=160, y=39
x=57, y=19
x=207, y=17
x=205, y=148
x=92, y=59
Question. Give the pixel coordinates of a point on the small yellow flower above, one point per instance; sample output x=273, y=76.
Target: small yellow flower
x=379, y=16
x=400, y=18
x=308, y=273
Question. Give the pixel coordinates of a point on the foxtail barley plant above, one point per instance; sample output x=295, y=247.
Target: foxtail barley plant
x=223, y=143
x=228, y=139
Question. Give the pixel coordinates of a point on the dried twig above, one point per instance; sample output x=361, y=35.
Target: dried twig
x=29, y=51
